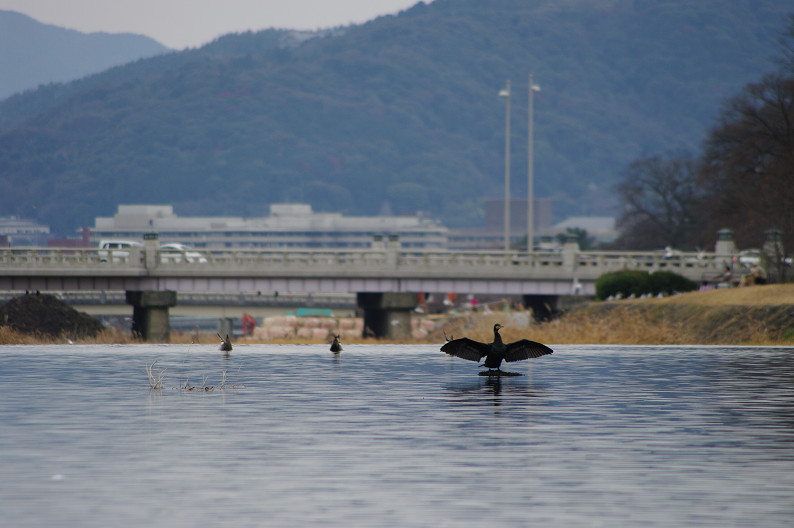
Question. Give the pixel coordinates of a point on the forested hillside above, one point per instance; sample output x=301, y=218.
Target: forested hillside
x=403, y=111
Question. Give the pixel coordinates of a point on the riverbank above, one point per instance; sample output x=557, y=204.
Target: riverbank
x=755, y=315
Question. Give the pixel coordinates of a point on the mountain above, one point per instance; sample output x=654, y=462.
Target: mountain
x=402, y=111
x=32, y=53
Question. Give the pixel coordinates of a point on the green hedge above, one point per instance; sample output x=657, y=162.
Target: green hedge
x=637, y=283
x=668, y=283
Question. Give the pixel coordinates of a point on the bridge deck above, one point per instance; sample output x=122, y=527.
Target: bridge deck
x=340, y=271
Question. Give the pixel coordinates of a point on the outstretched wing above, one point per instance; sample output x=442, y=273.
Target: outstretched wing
x=466, y=348
x=525, y=349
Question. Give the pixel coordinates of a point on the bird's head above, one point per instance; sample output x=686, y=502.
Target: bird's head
x=497, y=327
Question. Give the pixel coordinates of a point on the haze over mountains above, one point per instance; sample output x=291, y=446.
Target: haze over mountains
x=401, y=112
x=32, y=53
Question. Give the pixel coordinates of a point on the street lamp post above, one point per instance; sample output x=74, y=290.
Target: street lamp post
x=530, y=206
x=506, y=94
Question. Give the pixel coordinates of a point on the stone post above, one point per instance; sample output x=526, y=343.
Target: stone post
x=570, y=250
x=150, y=314
x=725, y=245
x=393, y=248
x=151, y=250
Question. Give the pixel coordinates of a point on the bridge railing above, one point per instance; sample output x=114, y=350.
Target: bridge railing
x=57, y=257
x=586, y=265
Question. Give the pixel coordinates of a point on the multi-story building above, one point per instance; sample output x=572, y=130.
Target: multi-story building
x=20, y=232
x=287, y=226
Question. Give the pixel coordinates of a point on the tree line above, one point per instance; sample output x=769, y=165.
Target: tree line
x=742, y=179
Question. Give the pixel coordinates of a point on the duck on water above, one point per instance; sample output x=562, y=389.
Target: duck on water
x=226, y=345
x=494, y=353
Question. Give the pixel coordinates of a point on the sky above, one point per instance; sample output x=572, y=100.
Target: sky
x=181, y=24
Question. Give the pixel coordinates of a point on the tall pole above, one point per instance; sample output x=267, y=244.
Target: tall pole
x=530, y=198
x=506, y=94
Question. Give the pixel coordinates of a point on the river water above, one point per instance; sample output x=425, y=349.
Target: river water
x=395, y=435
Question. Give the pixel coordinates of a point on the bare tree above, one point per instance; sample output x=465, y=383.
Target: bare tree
x=786, y=58
x=660, y=199
x=748, y=163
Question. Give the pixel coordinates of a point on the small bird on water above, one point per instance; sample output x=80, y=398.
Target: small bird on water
x=336, y=346
x=495, y=352
x=226, y=345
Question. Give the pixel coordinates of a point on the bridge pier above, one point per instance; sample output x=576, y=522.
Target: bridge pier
x=543, y=307
x=387, y=314
x=150, y=314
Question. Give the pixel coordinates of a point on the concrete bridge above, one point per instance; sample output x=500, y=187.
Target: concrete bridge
x=386, y=277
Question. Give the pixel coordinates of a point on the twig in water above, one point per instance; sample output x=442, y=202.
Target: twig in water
x=155, y=380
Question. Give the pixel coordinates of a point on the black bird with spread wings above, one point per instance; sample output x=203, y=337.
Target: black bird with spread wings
x=495, y=352
x=226, y=345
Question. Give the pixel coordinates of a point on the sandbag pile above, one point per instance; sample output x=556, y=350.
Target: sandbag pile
x=421, y=327
x=322, y=329
x=294, y=328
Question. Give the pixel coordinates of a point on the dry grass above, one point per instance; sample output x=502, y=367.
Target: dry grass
x=765, y=295
x=9, y=336
x=631, y=325
x=756, y=315
x=576, y=328
x=617, y=327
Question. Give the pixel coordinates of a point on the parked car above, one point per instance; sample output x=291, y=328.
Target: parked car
x=175, y=251
x=116, y=250
x=748, y=258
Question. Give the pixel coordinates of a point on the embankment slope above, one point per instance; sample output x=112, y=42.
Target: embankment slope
x=738, y=316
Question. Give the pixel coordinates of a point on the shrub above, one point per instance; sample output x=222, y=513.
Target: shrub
x=637, y=283
x=668, y=282
x=625, y=283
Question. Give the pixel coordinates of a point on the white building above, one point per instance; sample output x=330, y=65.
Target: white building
x=287, y=226
x=20, y=232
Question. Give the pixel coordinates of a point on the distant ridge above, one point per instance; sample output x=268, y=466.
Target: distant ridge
x=401, y=113
x=32, y=53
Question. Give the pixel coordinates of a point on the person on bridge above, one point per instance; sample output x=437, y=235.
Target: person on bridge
x=495, y=352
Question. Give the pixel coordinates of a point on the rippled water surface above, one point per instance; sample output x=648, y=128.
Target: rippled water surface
x=395, y=436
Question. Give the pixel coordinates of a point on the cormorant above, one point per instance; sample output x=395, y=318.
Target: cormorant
x=495, y=352
x=226, y=344
x=336, y=346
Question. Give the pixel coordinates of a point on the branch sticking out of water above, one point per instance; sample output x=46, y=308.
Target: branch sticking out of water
x=155, y=378
x=157, y=381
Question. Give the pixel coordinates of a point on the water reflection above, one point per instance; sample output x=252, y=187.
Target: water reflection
x=495, y=390
x=396, y=436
